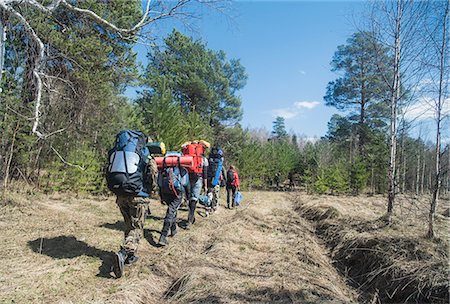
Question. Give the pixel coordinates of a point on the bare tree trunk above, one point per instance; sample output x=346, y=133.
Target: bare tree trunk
x=437, y=164
x=395, y=96
x=422, y=184
x=418, y=174
x=447, y=189
x=11, y=153
x=403, y=162
x=2, y=48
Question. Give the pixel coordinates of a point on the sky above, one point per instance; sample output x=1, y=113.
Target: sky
x=286, y=48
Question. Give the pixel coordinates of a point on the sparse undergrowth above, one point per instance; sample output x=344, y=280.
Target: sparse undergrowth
x=389, y=264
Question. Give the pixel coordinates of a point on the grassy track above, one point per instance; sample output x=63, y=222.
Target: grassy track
x=57, y=249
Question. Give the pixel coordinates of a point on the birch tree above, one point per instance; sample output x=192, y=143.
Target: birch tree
x=396, y=26
x=439, y=39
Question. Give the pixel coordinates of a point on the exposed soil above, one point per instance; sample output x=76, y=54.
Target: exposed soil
x=58, y=249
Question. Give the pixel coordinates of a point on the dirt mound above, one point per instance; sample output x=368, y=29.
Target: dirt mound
x=385, y=263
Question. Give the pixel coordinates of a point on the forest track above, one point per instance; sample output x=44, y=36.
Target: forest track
x=59, y=248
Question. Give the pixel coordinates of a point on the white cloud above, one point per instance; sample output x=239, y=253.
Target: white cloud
x=285, y=113
x=295, y=109
x=425, y=109
x=302, y=72
x=306, y=104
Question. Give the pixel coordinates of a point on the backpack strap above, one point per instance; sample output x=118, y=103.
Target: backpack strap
x=125, y=162
x=171, y=185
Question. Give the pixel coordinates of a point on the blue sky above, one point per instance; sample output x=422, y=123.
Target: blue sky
x=286, y=48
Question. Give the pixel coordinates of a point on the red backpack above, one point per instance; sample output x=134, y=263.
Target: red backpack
x=195, y=150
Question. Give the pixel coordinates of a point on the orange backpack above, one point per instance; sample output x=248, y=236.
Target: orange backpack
x=195, y=150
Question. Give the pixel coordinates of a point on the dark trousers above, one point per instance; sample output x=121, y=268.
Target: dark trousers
x=170, y=221
x=196, y=184
x=231, y=190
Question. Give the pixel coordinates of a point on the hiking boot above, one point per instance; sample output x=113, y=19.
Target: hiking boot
x=188, y=226
x=163, y=240
x=119, y=262
x=131, y=258
x=173, y=231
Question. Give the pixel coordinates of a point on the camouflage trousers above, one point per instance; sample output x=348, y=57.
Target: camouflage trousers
x=216, y=193
x=133, y=212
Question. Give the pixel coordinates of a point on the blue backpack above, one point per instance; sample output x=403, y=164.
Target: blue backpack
x=173, y=180
x=215, y=161
x=127, y=169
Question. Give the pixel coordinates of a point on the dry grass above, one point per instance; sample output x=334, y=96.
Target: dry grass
x=58, y=248
x=396, y=263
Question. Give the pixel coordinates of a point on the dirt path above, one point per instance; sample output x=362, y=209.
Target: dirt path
x=58, y=250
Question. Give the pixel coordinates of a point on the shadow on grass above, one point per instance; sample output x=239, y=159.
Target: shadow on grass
x=68, y=247
x=154, y=217
x=119, y=225
x=148, y=235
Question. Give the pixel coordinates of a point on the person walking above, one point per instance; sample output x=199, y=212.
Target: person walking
x=216, y=173
x=233, y=184
x=197, y=174
x=173, y=183
x=127, y=176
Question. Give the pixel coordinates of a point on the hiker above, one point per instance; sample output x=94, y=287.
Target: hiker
x=173, y=183
x=277, y=180
x=233, y=184
x=291, y=180
x=127, y=174
x=216, y=174
x=197, y=174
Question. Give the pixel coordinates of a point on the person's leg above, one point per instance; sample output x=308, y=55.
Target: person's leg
x=122, y=203
x=177, y=204
x=137, y=212
x=196, y=187
x=216, y=192
x=233, y=189
x=121, y=255
x=133, y=215
x=228, y=197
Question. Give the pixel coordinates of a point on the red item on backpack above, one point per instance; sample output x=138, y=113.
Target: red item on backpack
x=172, y=161
x=196, y=150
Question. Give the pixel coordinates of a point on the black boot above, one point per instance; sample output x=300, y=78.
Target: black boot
x=164, y=232
x=173, y=229
x=131, y=259
x=119, y=262
x=163, y=240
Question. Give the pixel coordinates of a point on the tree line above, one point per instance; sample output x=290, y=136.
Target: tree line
x=190, y=91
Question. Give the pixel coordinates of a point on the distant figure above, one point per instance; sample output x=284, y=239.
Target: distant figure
x=233, y=184
x=291, y=180
x=277, y=180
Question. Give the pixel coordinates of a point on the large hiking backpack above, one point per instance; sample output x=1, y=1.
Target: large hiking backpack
x=195, y=150
x=215, y=161
x=128, y=163
x=230, y=177
x=172, y=179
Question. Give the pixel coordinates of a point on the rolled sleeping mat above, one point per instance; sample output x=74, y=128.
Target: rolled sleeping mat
x=172, y=161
